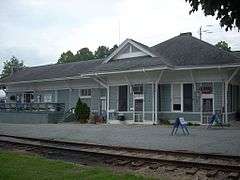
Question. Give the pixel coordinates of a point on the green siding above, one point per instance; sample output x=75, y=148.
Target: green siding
x=147, y=89
x=63, y=97
x=217, y=91
x=74, y=98
x=95, y=99
x=113, y=94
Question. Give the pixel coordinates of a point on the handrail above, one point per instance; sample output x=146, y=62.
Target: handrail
x=31, y=107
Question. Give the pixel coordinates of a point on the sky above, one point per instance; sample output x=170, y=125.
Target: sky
x=38, y=31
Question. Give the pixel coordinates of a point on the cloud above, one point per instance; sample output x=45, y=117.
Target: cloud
x=38, y=31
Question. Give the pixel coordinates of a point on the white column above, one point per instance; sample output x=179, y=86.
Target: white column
x=226, y=102
x=108, y=97
x=156, y=102
x=69, y=98
x=56, y=96
x=153, y=104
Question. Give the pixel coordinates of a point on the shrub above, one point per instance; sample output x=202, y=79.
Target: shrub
x=165, y=122
x=82, y=111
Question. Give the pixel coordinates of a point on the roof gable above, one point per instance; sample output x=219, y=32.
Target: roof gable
x=129, y=49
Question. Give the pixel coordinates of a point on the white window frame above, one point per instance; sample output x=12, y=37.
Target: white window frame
x=85, y=96
x=49, y=99
x=138, y=86
x=181, y=89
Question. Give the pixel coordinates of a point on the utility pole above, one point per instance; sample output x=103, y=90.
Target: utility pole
x=201, y=31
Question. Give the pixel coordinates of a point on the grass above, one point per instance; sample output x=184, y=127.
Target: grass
x=27, y=167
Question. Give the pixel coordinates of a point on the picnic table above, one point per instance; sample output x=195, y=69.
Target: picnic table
x=180, y=121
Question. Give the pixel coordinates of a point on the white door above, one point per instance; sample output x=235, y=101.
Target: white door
x=138, y=110
x=207, y=108
x=103, y=106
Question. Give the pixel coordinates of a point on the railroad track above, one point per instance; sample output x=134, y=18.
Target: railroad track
x=135, y=156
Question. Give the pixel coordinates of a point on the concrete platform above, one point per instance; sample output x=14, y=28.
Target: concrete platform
x=215, y=140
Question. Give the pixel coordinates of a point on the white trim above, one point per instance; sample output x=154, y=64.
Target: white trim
x=226, y=101
x=153, y=103
x=85, y=97
x=143, y=111
x=147, y=122
x=156, y=102
x=206, y=96
x=56, y=96
x=126, y=71
x=233, y=74
x=179, y=112
x=181, y=89
x=124, y=43
x=108, y=103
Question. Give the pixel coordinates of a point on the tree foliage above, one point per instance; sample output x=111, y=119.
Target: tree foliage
x=223, y=45
x=227, y=11
x=82, y=111
x=11, y=65
x=85, y=54
x=66, y=57
x=102, y=52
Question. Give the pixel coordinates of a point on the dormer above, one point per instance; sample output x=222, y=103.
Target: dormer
x=130, y=49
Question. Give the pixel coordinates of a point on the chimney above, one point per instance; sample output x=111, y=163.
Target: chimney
x=186, y=34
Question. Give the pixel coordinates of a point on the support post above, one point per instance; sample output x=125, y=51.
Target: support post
x=108, y=94
x=156, y=101
x=56, y=96
x=153, y=103
x=69, y=98
x=225, y=102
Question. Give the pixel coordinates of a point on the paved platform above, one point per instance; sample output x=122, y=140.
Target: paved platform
x=215, y=140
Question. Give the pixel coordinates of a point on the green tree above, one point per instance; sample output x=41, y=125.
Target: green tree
x=11, y=65
x=84, y=54
x=223, y=45
x=66, y=57
x=82, y=111
x=102, y=52
x=113, y=49
x=228, y=11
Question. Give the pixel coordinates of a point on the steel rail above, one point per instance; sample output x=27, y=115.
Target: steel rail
x=86, y=148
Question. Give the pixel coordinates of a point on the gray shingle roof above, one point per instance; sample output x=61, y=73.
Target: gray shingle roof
x=183, y=50
x=130, y=64
x=53, y=71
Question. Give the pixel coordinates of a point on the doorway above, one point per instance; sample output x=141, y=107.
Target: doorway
x=138, y=110
x=207, y=107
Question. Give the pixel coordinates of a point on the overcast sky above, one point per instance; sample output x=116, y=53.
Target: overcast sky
x=39, y=31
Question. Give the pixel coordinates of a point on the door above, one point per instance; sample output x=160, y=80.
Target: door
x=207, y=109
x=103, y=106
x=138, y=110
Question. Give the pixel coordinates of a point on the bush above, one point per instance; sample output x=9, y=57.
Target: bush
x=165, y=122
x=82, y=111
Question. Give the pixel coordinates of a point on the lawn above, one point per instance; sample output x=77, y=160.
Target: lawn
x=23, y=167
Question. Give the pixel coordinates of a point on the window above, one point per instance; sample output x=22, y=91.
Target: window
x=138, y=89
x=47, y=98
x=28, y=97
x=85, y=92
x=187, y=98
x=176, y=97
x=122, y=98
